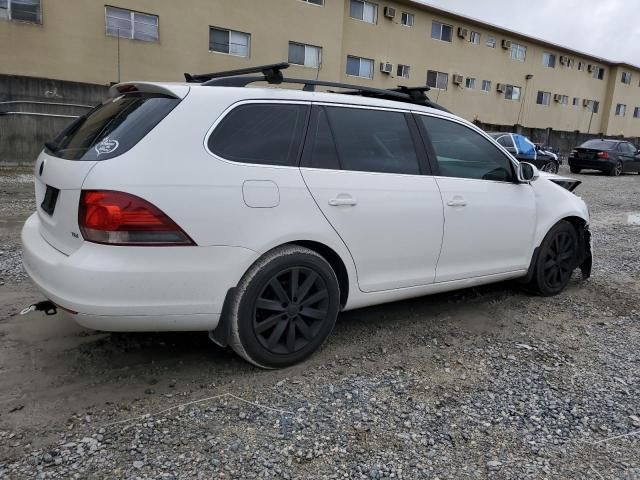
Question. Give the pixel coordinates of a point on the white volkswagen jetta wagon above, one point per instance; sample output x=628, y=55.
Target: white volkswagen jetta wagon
x=259, y=213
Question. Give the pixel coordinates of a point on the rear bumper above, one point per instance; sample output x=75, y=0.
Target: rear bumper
x=135, y=288
x=602, y=165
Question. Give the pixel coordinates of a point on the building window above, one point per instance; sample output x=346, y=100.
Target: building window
x=491, y=42
x=475, y=38
x=307, y=55
x=512, y=92
x=563, y=99
x=470, y=83
x=21, y=10
x=365, y=11
x=229, y=42
x=636, y=112
x=594, y=106
x=407, y=19
x=544, y=98
x=359, y=67
x=518, y=52
x=403, y=71
x=576, y=101
x=549, y=60
x=598, y=73
x=626, y=78
x=320, y=3
x=486, y=85
x=133, y=25
x=580, y=66
x=440, y=31
x=621, y=110
x=439, y=80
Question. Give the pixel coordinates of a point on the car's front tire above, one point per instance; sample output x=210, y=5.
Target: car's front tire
x=285, y=307
x=551, y=167
x=575, y=169
x=556, y=260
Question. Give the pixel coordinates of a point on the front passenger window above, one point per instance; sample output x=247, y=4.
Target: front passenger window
x=464, y=153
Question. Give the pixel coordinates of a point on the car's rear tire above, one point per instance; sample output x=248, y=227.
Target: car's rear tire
x=575, y=169
x=616, y=170
x=285, y=307
x=556, y=260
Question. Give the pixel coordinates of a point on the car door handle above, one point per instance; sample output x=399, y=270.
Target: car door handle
x=457, y=202
x=343, y=201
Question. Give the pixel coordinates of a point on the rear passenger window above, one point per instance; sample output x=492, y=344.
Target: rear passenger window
x=464, y=153
x=266, y=134
x=372, y=140
x=506, y=141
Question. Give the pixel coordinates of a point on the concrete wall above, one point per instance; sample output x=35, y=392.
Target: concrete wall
x=35, y=110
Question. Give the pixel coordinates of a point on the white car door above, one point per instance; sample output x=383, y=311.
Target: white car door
x=489, y=217
x=366, y=175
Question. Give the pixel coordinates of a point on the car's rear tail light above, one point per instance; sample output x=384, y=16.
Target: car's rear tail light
x=604, y=155
x=118, y=218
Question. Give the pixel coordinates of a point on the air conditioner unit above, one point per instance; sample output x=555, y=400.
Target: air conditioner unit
x=556, y=97
x=563, y=59
x=458, y=79
x=463, y=32
x=500, y=88
x=591, y=68
x=506, y=44
x=585, y=103
x=389, y=12
x=386, y=67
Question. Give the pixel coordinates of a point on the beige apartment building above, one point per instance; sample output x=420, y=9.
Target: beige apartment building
x=479, y=71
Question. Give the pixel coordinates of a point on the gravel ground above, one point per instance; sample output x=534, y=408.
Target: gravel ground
x=482, y=383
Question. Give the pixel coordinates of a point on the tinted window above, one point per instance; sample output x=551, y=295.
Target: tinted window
x=505, y=141
x=462, y=152
x=112, y=128
x=627, y=148
x=599, y=145
x=320, y=151
x=373, y=140
x=267, y=133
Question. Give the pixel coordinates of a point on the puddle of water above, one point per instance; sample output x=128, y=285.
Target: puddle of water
x=633, y=219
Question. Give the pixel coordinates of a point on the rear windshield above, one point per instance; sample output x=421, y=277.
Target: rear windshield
x=598, y=145
x=112, y=128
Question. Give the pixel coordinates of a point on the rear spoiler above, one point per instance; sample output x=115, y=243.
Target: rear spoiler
x=176, y=90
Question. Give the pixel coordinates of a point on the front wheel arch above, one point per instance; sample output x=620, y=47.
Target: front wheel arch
x=584, y=245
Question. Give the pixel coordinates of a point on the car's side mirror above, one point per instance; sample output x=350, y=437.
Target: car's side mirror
x=528, y=172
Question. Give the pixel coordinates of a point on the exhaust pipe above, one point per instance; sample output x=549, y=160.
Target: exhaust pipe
x=46, y=306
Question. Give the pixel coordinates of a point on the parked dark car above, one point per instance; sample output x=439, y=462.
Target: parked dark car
x=613, y=157
x=526, y=151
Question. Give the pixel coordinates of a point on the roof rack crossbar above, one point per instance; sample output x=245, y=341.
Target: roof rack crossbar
x=272, y=73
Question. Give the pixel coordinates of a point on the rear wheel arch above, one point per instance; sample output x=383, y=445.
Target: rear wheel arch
x=336, y=262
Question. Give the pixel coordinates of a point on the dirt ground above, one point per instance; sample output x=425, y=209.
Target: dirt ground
x=482, y=383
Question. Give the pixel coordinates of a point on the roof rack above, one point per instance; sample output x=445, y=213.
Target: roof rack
x=272, y=74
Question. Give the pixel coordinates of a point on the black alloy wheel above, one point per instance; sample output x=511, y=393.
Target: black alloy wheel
x=550, y=167
x=284, y=308
x=559, y=261
x=556, y=260
x=290, y=310
x=616, y=171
